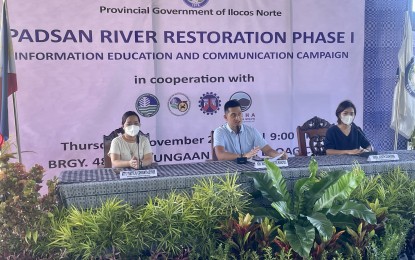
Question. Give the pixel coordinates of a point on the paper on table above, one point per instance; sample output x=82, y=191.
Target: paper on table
x=276, y=157
x=257, y=158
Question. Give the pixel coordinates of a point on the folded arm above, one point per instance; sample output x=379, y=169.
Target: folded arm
x=354, y=151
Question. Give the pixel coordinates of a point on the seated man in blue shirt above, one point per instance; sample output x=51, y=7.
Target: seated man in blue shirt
x=229, y=146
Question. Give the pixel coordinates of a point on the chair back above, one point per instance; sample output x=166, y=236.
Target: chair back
x=107, y=144
x=214, y=157
x=313, y=131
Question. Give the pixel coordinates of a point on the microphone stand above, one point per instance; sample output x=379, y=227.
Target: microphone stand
x=365, y=154
x=241, y=159
x=140, y=165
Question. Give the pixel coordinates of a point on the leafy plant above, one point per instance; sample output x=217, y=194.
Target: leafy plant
x=391, y=196
x=361, y=237
x=266, y=233
x=390, y=244
x=395, y=190
x=102, y=232
x=400, y=193
x=213, y=202
x=177, y=226
x=168, y=219
x=319, y=203
x=240, y=233
x=222, y=252
x=367, y=190
x=24, y=215
x=324, y=248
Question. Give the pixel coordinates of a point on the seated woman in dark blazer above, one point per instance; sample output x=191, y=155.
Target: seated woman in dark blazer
x=346, y=137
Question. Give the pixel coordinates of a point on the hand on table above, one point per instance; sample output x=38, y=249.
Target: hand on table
x=284, y=156
x=355, y=151
x=252, y=153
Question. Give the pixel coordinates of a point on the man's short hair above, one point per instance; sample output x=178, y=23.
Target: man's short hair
x=231, y=103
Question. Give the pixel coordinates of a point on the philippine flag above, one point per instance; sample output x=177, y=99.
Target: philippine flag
x=8, y=72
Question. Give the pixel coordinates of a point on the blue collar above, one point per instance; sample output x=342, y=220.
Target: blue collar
x=231, y=131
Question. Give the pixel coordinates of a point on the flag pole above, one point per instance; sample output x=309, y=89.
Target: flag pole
x=4, y=74
x=397, y=101
x=8, y=81
x=16, y=124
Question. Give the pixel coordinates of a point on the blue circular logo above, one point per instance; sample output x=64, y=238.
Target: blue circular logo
x=410, y=78
x=196, y=3
x=147, y=105
x=243, y=98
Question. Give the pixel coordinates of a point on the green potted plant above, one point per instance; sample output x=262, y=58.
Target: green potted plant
x=391, y=196
x=24, y=213
x=86, y=233
x=318, y=205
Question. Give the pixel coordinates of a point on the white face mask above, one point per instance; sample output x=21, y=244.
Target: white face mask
x=132, y=130
x=347, y=120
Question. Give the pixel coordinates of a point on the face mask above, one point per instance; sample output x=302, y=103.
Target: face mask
x=132, y=130
x=347, y=120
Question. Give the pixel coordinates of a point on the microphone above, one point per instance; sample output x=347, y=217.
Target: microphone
x=140, y=165
x=365, y=154
x=241, y=159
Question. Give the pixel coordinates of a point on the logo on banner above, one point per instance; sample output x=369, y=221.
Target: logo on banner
x=410, y=78
x=209, y=103
x=179, y=104
x=196, y=3
x=147, y=105
x=246, y=101
x=243, y=98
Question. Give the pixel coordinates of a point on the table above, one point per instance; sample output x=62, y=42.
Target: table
x=88, y=188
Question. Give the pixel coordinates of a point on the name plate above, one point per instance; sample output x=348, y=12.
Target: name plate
x=383, y=157
x=138, y=173
x=279, y=163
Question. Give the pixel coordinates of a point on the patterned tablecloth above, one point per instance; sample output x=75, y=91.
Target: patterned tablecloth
x=89, y=187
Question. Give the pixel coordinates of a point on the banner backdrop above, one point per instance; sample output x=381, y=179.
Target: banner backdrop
x=82, y=64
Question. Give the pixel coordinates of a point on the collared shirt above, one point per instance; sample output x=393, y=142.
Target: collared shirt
x=249, y=138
